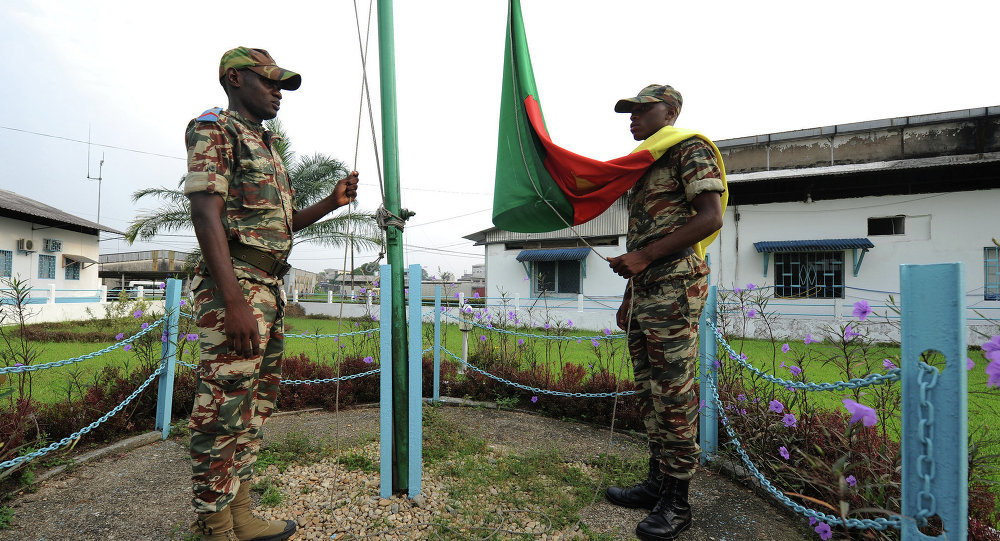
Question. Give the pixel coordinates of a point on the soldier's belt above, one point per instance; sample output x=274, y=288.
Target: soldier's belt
x=673, y=257
x=259, y=258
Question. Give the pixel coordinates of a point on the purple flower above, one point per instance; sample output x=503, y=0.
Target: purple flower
x=192, y=336
x=812, y=521
x=183, y=302
x=783, y=451
x=737, y=290
x=405, y=291
x=823, y=529
x=164, y=337
x=127, y=347
x=888, y=364
x=782, y=365
x=850, y=333
x=569, y=322
x=119, y=336
x=534, y=399
x=145, y=325
x=375, y=283
x=789, y=420
x=795, y=370
x=862, y=310
x=510, y=315
x=373, y=317
x=475, y=295
x=368, y=360
x=702, y=406
x=741, y=397
x=18, y=364
x=785, y=348
x=363, y=290
x=810, y=340
x=547, y=326
x=750, y=287
x=607, y=332
x=595, y=343
x=992, y=348
x=860, y=412
x=482, y=337
x=520, y=341
x=743, y=411
x=851, y=480
x=456, y=295
x=776, y=406
x=969, y=364
x=162, y=286
x=716, y=364
x=993, y=371
x=137, y=314
x=751, y=313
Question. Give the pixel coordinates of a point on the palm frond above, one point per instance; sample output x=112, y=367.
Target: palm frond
x=171, y=195
x=148, y=224
x=282, y=143
x=364, y=232
x=314, y=177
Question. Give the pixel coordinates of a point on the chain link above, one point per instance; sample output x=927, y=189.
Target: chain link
x=328, y=380
x=56, y=364
x=541, y=336
x=862, y=524
x=927, y=505
x=890, y=376
x=534, y=389
x=77, y=435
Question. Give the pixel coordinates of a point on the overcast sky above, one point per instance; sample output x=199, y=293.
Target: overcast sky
x=134, y=73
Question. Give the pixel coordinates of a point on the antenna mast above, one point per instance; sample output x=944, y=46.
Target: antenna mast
x=100, y=170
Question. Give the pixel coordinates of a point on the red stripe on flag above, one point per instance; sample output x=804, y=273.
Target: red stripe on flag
x=591, y=186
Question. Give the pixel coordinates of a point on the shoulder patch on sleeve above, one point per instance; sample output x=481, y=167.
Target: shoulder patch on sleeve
x=211, y=115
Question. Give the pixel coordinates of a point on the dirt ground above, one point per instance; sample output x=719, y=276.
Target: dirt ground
x=143, y=492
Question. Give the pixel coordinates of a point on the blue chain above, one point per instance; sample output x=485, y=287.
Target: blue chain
x=328, y=380
x=927, y=505
x=535, y=389
x=353, y=333
x=189, y=365
x=855, y=383
x=863, y=524
x=541, y=336
x=55, y=364
x=77, y=435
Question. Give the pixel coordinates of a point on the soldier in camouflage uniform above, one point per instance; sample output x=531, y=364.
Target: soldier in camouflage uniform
x=244, y=216
x=675, y=205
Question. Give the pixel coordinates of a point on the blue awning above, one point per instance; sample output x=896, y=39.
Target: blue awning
x=554, y=254
x=771, y=246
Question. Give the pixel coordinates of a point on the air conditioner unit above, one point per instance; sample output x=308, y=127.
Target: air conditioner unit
x=53, y=245
x=25, y=245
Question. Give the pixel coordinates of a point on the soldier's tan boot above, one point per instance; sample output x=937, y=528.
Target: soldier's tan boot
x=248, y=527
x=216, y=526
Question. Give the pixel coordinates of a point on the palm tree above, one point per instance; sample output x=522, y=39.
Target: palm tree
x=312, y=177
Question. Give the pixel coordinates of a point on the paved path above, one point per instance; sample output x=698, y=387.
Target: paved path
x=142, y=493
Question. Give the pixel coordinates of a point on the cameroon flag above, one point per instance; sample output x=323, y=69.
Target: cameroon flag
x=541, y=186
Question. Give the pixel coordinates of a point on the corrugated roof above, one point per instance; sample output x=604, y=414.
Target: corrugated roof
x=811, y=245
x=18, y=203
x=554, y=254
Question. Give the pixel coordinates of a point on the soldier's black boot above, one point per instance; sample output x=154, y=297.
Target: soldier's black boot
x=672, y=514
x=643, y=495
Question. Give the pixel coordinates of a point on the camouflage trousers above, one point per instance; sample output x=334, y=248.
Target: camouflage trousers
x=663, y=342
x=234, y=396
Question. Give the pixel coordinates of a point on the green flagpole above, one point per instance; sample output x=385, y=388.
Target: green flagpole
x=394, y=247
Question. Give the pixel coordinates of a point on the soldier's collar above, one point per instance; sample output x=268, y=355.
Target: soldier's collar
x=243, y=120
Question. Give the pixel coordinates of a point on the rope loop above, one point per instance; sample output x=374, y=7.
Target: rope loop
x=385, y=219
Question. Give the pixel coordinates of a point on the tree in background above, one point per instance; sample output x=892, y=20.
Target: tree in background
x=312, y=178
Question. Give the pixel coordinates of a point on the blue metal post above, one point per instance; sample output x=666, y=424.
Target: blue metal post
x=168, y=358
x=708, y=421
x=385, y=382
x=934, y=443
x=415, y=374
x=437, y=344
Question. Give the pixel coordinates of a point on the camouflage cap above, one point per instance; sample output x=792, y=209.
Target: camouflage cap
x=261, y=63
x=651, y=94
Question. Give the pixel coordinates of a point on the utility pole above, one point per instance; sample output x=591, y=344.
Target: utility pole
x=394, y=246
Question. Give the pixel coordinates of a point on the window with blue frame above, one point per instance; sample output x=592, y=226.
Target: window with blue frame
x=809, y=275
x=6, y=263
x=556, y=277
x=73, y=271
x=991, y=273
x=47, y=267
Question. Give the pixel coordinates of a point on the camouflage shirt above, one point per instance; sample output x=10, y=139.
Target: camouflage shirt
x=660, y=202
x=235, y=158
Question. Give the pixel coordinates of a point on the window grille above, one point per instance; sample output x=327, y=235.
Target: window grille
x=47, y=267
x=991, y=273
x=73, y=271
x=809, y=275
x=6, y=263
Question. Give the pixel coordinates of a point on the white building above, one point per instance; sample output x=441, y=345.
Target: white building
x=821, y=218
x=54, y=251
